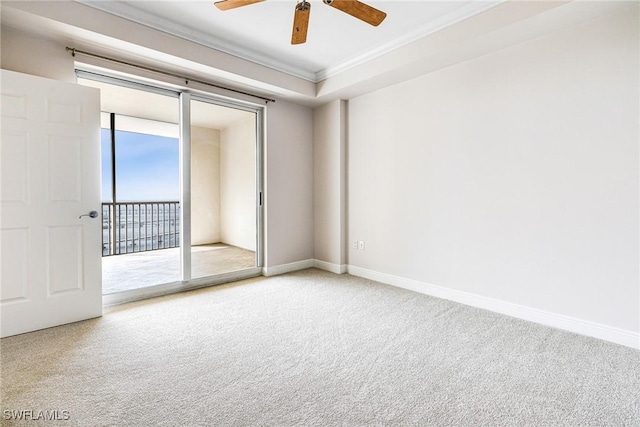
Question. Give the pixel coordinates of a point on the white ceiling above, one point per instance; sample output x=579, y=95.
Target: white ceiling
x=261, y=32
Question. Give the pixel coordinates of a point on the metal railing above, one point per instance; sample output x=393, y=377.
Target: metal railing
x=129, y=227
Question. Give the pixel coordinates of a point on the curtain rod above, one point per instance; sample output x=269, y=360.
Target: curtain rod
x=74, y=51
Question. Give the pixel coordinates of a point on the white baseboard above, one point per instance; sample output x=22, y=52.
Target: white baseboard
x=287, y=268
x=328, y=266
x=579, y=326
x=301, y=265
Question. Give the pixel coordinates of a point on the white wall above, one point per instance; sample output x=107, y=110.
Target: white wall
x=205, y=186
x=289, y=184
x=34, y=55
x=238, y=184
x=513, y=176
x=329, y=185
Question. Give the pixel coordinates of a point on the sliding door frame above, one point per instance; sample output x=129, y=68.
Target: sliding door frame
x=185, y=185
x=259, y=137
x=185, y=97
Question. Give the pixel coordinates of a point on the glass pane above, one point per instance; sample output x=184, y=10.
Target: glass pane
x=141, y=226
x=147, y=167
x=147, y=192
x=223, y=189
x=105, y=164
x=105, y=158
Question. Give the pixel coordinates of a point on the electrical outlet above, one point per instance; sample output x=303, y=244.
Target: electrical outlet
x=361, y=245
x=354, y=245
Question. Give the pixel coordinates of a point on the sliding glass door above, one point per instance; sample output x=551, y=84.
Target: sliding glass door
x=181, y=186
x=140, y=189
x=223, y=189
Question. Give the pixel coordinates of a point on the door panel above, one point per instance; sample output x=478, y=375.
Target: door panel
x=50, y=157
x=14, y=163
x=64, y=258
x=18, y=240
x=64, y=164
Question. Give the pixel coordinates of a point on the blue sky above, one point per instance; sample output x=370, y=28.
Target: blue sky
x=147, y=167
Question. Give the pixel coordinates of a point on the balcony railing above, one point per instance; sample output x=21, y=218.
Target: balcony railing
x=130, y=227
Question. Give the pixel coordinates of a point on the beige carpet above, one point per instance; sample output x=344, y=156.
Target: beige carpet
x=316, y=349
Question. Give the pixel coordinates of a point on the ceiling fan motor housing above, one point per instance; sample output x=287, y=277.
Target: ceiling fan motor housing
x=303, y=5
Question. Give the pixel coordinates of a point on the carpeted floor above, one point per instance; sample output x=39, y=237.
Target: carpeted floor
x=315, y=349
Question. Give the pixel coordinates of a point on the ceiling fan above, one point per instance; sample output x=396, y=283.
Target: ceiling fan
x=355, y=8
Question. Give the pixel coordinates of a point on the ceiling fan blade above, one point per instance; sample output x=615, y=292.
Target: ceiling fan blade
x=301, y=22
x=232, y=4
x=359, y=10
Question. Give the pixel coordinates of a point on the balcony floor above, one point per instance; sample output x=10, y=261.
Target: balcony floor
x=142, y=269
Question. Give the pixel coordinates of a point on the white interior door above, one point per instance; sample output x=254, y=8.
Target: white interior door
x=50, y=175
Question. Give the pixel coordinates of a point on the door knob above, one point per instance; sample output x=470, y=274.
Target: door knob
x=92, y=214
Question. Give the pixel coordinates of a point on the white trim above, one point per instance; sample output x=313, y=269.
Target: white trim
x=287, y=268
x=572, y=324
x=329, y=266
